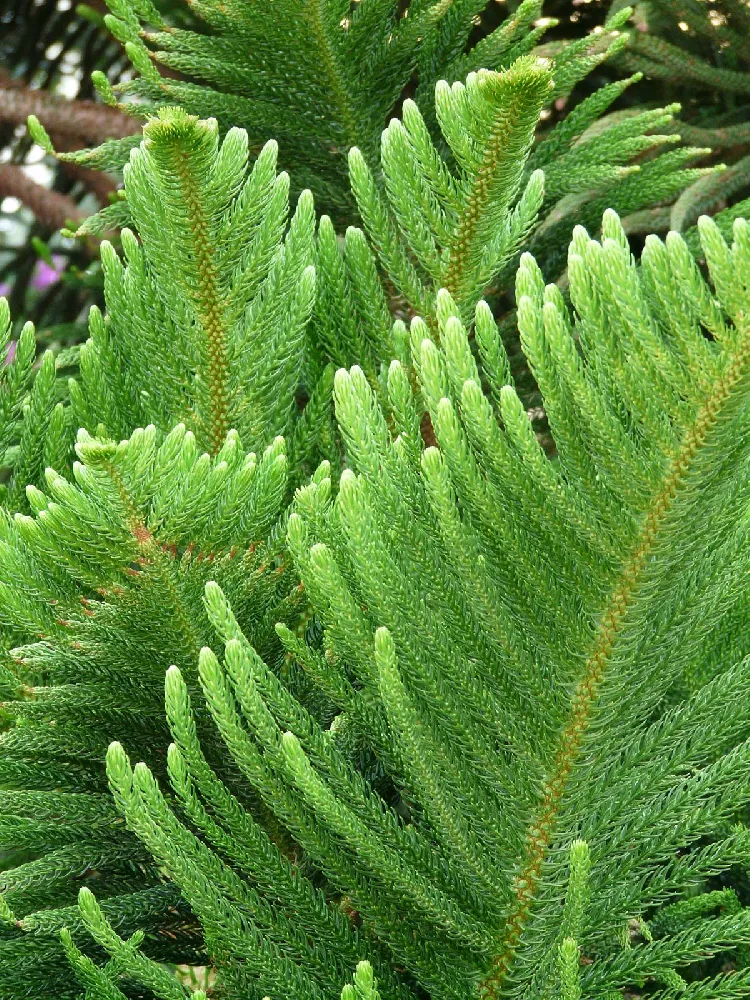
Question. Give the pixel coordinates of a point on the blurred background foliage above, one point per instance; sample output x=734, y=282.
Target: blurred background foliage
x=48, y=50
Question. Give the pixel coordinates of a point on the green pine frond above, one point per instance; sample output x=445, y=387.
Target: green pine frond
x=457, y=229
x=115, y=563
x=209, y=307
x=322, y=77
x=34, y=426
x=688, y=47
x=638, y=444
x=460, y=221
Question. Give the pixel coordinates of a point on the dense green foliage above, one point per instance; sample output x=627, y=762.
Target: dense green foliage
x=432, y=669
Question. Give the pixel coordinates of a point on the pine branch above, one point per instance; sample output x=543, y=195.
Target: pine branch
x=584, y=697
x=237, y=350
x=83, y=120
x=661, y=59
x=53, y=209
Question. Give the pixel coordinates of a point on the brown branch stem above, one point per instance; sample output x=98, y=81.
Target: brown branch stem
x=87, y=121
x=51, y=208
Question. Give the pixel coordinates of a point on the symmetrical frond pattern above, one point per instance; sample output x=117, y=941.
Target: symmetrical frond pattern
x=208, y=310
x=321, y=78
x=458, y=221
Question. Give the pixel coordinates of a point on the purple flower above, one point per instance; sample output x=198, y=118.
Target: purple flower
x=44, y=275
